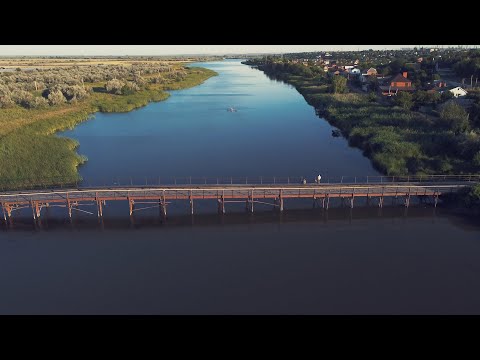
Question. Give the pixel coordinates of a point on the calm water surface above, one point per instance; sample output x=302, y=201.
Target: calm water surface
x=360, y=261
x=273, y=133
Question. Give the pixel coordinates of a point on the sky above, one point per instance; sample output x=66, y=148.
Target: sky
x=92, y=50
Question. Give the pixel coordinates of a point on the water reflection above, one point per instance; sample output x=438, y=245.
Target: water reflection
x=339, y=216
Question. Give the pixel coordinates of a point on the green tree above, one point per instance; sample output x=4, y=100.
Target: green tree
x=476, y=159
x=454, y=117
x=339, y=85
x=404, y=99
x=446, y=95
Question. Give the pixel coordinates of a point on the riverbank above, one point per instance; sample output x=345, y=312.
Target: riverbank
x=31, y=154
x=398, y=141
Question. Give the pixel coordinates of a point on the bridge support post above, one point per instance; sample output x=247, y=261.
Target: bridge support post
x=191, y=203
x=323, y=203
x=407, y=201
x=69, y=206
x=33, y=210
x=380, y=202
x=38, y=209
x=99, y=210
x=328, y=201
x=4, y=213
x=251, y=202
x=280, y=198
x=351, y=201
x=164, y=205
x=164, y=209
x=221, y=205
x=436, y=199
x=131, y=206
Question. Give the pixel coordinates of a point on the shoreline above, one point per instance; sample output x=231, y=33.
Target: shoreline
x=32, y=154
x=397, y=141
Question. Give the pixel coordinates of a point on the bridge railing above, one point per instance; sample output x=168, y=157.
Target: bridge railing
x=152, y=181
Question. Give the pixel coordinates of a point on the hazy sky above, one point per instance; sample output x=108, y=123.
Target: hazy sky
x=6, y=50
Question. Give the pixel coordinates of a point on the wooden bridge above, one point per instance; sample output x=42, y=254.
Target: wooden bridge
x=141, y=197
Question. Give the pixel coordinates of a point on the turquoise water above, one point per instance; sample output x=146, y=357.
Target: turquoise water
x=273, y=133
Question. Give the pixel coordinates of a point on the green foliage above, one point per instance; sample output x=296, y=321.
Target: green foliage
x=339, y=85
x=454, y=117
x=446, y=95
x=404, y=99
x=476, y=159
x=426, y=98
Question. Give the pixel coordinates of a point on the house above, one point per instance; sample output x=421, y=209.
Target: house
x=458, y=91
x=370, y=72
x=399, y=82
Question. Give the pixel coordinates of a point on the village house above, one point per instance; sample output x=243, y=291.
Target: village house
x=370, y=72
x=399, y=82
x=458, y=91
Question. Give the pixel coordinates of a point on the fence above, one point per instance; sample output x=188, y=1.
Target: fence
x=135, y=181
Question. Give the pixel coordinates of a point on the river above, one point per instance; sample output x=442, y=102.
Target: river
x=364, y=260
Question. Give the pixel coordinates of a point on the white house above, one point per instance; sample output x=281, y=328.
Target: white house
x=458, y=91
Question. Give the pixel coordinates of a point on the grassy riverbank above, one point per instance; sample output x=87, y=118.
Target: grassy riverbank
x=30, y=153
x=397, y=140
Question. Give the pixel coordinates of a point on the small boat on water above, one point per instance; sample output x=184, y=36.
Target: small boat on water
x=231, y=109
x=336, y=133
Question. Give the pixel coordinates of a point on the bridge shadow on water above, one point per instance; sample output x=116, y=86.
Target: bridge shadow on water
x=341, y=216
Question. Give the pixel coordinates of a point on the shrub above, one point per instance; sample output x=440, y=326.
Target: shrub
x=114, y=86
x=56, y=98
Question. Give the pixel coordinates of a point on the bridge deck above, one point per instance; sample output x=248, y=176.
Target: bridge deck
x=250, y=193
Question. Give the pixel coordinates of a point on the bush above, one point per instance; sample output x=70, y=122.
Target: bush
x=22, y=98
x=404, y=99
x=56, y=98
x=339, y=85
x=114, y=86
x=6, y=101
x=454, y=117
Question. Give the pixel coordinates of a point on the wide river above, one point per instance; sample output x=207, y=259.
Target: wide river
x=364, y=260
